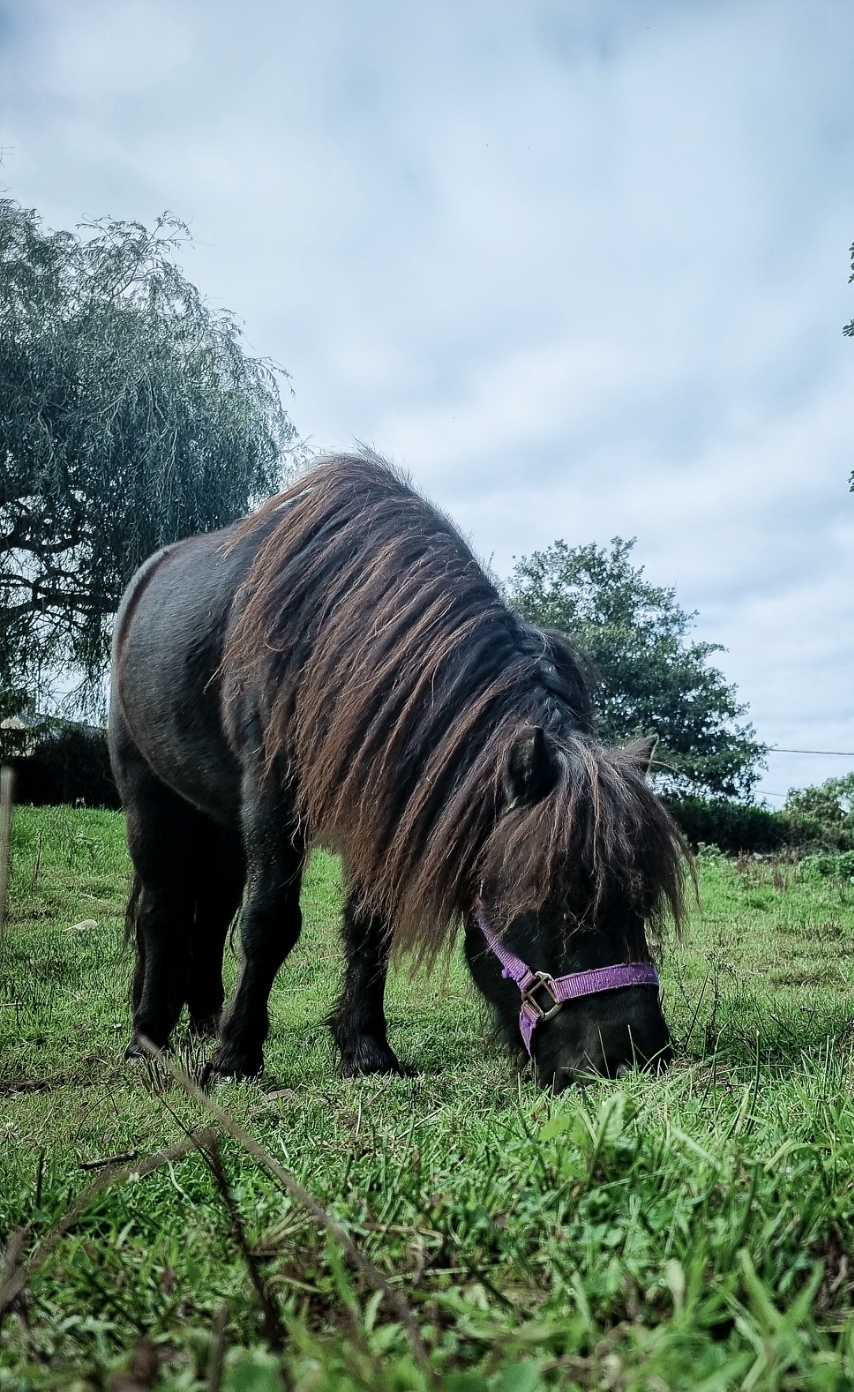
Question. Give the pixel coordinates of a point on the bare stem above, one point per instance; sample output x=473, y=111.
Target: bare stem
x=273, y=1331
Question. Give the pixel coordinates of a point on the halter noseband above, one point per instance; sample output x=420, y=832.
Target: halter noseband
x=558, y=990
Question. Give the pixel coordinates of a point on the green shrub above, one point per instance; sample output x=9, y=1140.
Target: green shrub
x=66, y=764
x=829, y=866
x=741, y=826
x=732, y=826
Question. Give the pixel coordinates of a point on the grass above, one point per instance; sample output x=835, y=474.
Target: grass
x=693, y=1231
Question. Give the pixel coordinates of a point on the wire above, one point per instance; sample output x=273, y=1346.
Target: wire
x=841, y=753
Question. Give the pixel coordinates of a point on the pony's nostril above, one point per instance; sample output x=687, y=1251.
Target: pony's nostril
x=623, y=1070
x=562, y=1078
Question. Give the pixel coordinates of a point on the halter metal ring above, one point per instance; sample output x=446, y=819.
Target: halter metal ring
x=547, y=982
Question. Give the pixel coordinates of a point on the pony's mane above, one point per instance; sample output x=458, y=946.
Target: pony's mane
x=396, y=681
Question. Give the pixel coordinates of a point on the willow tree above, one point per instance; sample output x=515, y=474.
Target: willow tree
x=131, y=416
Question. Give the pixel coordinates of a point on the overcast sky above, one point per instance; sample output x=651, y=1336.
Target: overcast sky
x=580, y=267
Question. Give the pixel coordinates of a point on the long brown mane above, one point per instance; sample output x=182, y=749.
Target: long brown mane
x=396, y=681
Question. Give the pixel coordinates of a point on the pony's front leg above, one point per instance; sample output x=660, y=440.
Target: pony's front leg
x=159, y=917
x=358, y=1021
x=269, y=927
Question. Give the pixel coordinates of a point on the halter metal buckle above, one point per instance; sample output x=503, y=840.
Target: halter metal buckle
x=547, y=982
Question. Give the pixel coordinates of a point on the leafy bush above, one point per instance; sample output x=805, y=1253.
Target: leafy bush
x=829, y=866
x=68, y=763
x=732, y=826
x=831, y=802
x=740, y=826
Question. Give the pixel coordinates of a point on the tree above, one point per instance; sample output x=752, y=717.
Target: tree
x=647, y=676
x=131, y=416
x=831, y=802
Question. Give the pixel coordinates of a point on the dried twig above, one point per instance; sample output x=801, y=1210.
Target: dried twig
x=16, y=1278
x=17, y=1238
x=273, y=1331
x=105, y=1160
x=297, y=1191
x=217, y=1356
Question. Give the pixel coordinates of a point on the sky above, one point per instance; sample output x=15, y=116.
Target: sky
x=581, y=267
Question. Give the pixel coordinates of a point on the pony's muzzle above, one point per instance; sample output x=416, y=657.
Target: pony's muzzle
x=585, y=1047
x=578, y=1076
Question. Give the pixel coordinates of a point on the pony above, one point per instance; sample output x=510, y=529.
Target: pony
x=339, y=670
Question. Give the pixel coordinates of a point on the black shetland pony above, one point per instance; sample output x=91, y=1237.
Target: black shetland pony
x=338, y=669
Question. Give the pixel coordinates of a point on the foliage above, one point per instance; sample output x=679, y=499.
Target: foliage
x=690, y=1231
x=731, y=826
x=131, y=416
x=64, y=762
x=838, y=865
x=831, y=802
x=648, y=677
x=738, y=826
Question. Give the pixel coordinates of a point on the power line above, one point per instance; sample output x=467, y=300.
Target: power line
x=841, y=753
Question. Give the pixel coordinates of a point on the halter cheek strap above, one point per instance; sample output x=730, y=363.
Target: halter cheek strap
x=554, y=992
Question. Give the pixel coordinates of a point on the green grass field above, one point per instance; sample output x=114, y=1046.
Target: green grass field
x=692, y=1231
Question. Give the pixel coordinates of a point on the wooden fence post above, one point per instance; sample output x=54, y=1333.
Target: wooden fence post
x=7, y=781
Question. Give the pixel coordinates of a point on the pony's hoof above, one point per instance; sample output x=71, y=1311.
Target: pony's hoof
x=228, y=1067
x=369, y=1056
x=206, y=1027
x=137, y=1052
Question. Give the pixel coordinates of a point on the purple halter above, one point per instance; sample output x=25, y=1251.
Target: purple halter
x=562, y=988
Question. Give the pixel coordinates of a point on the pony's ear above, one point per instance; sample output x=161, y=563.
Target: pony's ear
x=642, y=750
x=531, y=770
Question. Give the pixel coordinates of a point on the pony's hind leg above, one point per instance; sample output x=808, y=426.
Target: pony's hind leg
x=269, y=925
x=220, y=875
x=133, y=934
x=161, y=840
x=358, y=1021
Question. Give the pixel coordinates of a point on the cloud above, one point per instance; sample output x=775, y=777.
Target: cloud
x=581, y=268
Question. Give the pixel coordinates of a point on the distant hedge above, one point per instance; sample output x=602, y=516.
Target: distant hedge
x=68, y=764
x=739, y=826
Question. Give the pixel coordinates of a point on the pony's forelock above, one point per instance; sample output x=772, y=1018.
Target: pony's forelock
x=606, y=846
